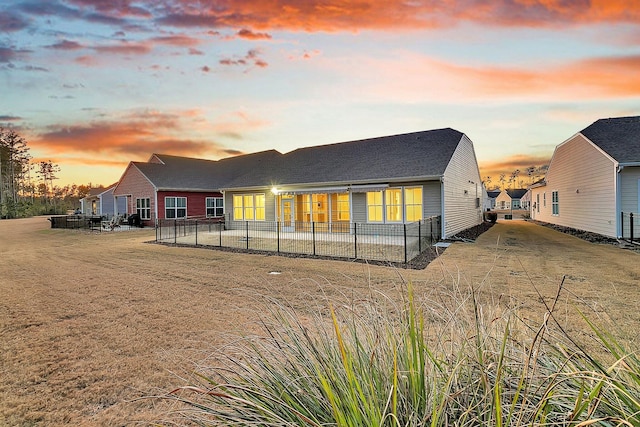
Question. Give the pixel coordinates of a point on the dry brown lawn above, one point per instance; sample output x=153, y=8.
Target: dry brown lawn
x=93, y=323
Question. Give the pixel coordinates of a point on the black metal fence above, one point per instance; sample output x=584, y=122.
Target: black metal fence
x=94, y=222
x=630, y=226
x=380, y=242
x=84, y=222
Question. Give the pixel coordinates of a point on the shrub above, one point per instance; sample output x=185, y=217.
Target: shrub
x=491, y=216
x=379, y=364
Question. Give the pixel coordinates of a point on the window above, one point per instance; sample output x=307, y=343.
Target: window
x=249, y=207
x=555, y=204
x=544, y=199
x=248, y=211
x=237, y=208
x=175, y=207
x=143, y=208
x=374, y=206
x=304, y=207
x=260, y=204
x=538, y=203
x=340, y=207
x=413, y=203
x=403, y=204
x=215, y=206
x=393, y=202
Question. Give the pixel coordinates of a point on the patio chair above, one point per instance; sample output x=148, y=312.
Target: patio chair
x=113, y=223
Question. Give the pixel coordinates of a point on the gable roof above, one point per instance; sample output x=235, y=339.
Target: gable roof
x=96, y=192
x=517, y=193
x=168, y=172
x=618, y=137
x=493, y=193
x=424, y=154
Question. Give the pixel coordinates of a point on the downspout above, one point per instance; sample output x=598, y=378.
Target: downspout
x=155, y=204
x=442, y=217
x=618, y=201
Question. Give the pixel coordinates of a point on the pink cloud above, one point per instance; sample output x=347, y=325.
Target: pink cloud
x=138, y=134
x=66, y=45
x=248, y=34
x=251, y=58
x=338, y=15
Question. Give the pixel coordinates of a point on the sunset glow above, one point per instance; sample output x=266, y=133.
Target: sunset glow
x=94, y=84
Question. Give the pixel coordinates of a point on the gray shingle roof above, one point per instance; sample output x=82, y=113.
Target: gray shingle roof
x=423, y=154
x=410, y=155
x=618, y=137
x=517, y=193
x=184, y=173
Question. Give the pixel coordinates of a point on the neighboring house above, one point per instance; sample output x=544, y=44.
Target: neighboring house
x=168, y=187
x=102, y=201
x=395, y=179
x=490, y=202
x=510, y=199
x=525, y=200
x=593, y=177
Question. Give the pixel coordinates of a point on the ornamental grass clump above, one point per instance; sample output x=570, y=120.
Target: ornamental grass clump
x=451, y=363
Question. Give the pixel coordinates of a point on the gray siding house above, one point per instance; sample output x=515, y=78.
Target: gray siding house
x=102, y=201
x=396, y=179
x=593, y=177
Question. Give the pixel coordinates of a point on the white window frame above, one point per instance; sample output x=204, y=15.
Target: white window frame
x=555, y=203
x=402, y=205
x=216, y=209
x=254, y=208
x=142, y=210
x=175, y=208
x=375, y=206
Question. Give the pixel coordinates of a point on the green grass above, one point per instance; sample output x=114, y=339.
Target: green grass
x=451, y=362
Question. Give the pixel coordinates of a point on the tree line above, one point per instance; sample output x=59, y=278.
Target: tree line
x=516, y=179
x=28, y=188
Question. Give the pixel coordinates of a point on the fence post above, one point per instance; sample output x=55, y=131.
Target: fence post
x=431, y=230
x=622, y=225
x=175, y=231
x=355, y=239
x=246, y=224
x=278, y=234
x=404, y=226
x=631, y=225
x=313, y=236
x=158, y=229
x=419, y=237
x=196, y=232
x=220, y=233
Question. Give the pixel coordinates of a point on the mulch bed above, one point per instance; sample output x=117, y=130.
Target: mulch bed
x=584, y=235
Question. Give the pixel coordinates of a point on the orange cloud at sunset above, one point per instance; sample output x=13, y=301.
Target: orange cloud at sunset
x=133, y=138
x=338, y=15
x=593, y=78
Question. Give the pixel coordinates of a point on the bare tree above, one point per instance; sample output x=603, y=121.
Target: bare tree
x=513, y=178
x=502, y=179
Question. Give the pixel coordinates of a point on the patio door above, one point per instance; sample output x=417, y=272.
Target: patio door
x=288, y=215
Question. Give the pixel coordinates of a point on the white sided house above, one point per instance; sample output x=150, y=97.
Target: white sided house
x=398, y=179
x=593, y=179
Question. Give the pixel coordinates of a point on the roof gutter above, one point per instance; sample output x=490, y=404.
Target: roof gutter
x=190, y=190
x=339, y=183
x=627, y=164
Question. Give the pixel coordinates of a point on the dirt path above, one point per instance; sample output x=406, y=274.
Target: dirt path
x=514, y=258
x=91, y=322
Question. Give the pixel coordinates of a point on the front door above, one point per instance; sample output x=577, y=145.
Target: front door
x=288, y=216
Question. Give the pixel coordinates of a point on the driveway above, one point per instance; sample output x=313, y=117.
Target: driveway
x=518, y=261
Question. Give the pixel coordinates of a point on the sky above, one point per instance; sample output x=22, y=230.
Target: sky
x=95, y=84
